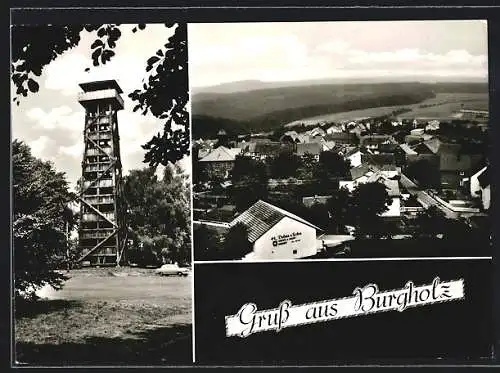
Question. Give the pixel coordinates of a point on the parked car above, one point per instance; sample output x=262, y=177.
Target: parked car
x=172, y=270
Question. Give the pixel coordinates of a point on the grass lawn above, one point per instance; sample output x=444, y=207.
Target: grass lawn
x=108, y=316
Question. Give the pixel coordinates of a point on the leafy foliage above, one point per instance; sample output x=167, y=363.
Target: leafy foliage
x=40, y=217
x=285, y=165
x=165, y=93
x=369, y=200
x=236, y=244
x=340, y=210
x=207, y=243
x=431, y=221
x=250, y=179
x=159, y=216
x=425, y=171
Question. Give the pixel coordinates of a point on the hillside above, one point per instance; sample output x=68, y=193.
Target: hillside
x=270, y=108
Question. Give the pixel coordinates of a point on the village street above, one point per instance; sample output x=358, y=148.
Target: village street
x=424, y=198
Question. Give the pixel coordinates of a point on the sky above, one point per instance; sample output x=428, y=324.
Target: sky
x=288, y=51
x=51, y=121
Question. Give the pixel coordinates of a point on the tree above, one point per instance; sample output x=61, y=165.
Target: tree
x=430, y=222
x=369, y=200
x=285, y=165
x=250, y=180
x=207, y=243
x=40, y=218
x=332, y=164
x=339, y=207
x=425, y=172
x=307, y=167
x=236, y=244
x=159, y=215
x=164, y=92
x=319, y=215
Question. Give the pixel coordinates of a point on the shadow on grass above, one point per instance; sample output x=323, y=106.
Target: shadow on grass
x=160, y=346
x=24, y=308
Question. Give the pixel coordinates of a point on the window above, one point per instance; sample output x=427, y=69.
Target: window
x=294, y=252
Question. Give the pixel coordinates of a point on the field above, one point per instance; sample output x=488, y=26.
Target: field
x=443, y=106
x=108, y=317
x=267, y=109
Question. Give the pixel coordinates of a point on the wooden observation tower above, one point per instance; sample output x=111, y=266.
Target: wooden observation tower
x=102, y=231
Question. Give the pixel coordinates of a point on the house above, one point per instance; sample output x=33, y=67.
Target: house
x=311, y=201
x=357, y=128
x=432, y=125
x=276, y=234
x=390, y=171
x=480, y=187
x=403, y=155
x=328, y=146
x=417, y=132
x=342, y=138
x=373, y=142
x=359, y=174
x=263, y=150
x=414, y=139
x=220, y=161
x=317, y=131
x=386, y=175
x=354, y=156
x=379, y=159
x=454, y=163
x=294, y=137
x=392, y=186
x=312, y=148
x=334, y=129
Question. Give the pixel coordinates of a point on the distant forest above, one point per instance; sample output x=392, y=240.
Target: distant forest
x=267, y=109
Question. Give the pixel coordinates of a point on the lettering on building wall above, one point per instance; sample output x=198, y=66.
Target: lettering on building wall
x=286, y=238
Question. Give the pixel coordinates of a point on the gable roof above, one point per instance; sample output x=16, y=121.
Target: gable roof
x=221, y=154
x=375, y=139
x=357, y=172
x=330, y=146
x=340, y=136
x=422, y=148
x=262, y=216
x=313, y=148
x=433, y=145
x=351, y=151
x=271, y=148
x=378, y=159
x=484, y=178
x=392, y=186
x=406, y=148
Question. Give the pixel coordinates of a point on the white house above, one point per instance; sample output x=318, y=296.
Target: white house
x=432, y=125
x=480, y=187
x=354, y=157
x=276, y=234
x=417, y=132
x=387, y=176
x=333, y=129
x=316, y=132
x=392, y=186
x=359, y=175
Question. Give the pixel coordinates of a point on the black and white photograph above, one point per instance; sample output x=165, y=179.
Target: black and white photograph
x=101, y=195
x=316, y=140
x=341, y=192
x=233, y=186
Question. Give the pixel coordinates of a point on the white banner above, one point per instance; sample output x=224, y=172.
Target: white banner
x=365, y=300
